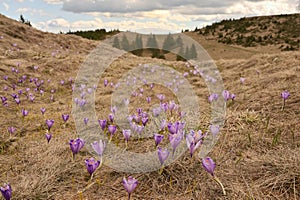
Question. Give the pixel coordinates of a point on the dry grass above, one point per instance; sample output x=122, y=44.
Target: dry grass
x=256, y=155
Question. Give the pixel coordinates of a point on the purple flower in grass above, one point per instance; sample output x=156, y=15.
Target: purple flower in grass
x=242, y=80
x=112, y=129
x=232, y=96
x=175, y=140
x=102, y=123
x=161, y=97
x=139, y=129
x=85, y=120
x=65, y=117
x=126, y=134
x=12, y=130
x=17, y=100
x=76, y=145
x=25, y=112
x=5, y=77
x=6, y=191
x=130, y=184
x=111, y=117
x=144, y=120
x=49, y=123
x=209, y=165
x=91, y=165
x=148, y=99
x=285, y=95
x=192, y=143
x=48, y=136
x=213, y=97
x=43, y=110
x=214, y=129
x=162, y=155
x=105, y=82
x=158, y=138
x=99, y=147
x=226, y=95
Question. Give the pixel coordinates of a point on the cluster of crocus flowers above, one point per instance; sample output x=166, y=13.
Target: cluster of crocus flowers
x=194, y=140
x=209, y=165
x=6, y=191
x=129, y=184
x=285, y=95
x=227, y=95
x=76, y=145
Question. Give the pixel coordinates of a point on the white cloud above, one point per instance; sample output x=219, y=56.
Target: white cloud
x=60, y=24
x=31, y=11
x=54, y=1
x=6, y=6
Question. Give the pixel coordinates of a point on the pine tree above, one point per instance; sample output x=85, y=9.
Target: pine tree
x=116, y=43
x=169, y=43
x=193, y=52
x=125, y=43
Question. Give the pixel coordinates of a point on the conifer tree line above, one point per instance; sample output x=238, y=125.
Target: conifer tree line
x=137, y=47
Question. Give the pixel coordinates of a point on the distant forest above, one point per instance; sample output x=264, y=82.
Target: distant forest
x=137, y=47
x=98, y=34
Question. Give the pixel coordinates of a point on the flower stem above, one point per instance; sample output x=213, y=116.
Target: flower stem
x=219, y=182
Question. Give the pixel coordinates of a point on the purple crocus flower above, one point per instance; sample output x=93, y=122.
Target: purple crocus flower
x=85, y=120
x=139, y=129
x=161, y=97
x=102, y=123
x=175, y=140
x=4, y=99
x=158, y=138
x=49, y=123
x=48, y=137
x=285, y=95
x=129, y=185
x=112, y=129
x=65, y=117
x=76, y=145
x=192, y=143
x=25, y=112
x=105, y=82
x=144, y=120
x=5, y=77
x=242, y=80
x=163, y=124
x=6, y=191
x=214, y=129
x=11, y=130
x=213, y=97
x=91, y=165
x=43, y=110
x=209, y=165
x=226, y=95
x=17, y=100
x=148, y=99
x=126, y=134
x=162, y=155
x=111, y=117
x=232, y=96
x=14, y=96
x=99, y=147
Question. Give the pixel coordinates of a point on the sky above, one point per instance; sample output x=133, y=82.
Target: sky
x=144, y=16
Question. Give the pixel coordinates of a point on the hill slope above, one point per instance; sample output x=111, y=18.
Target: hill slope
x=282, y=31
